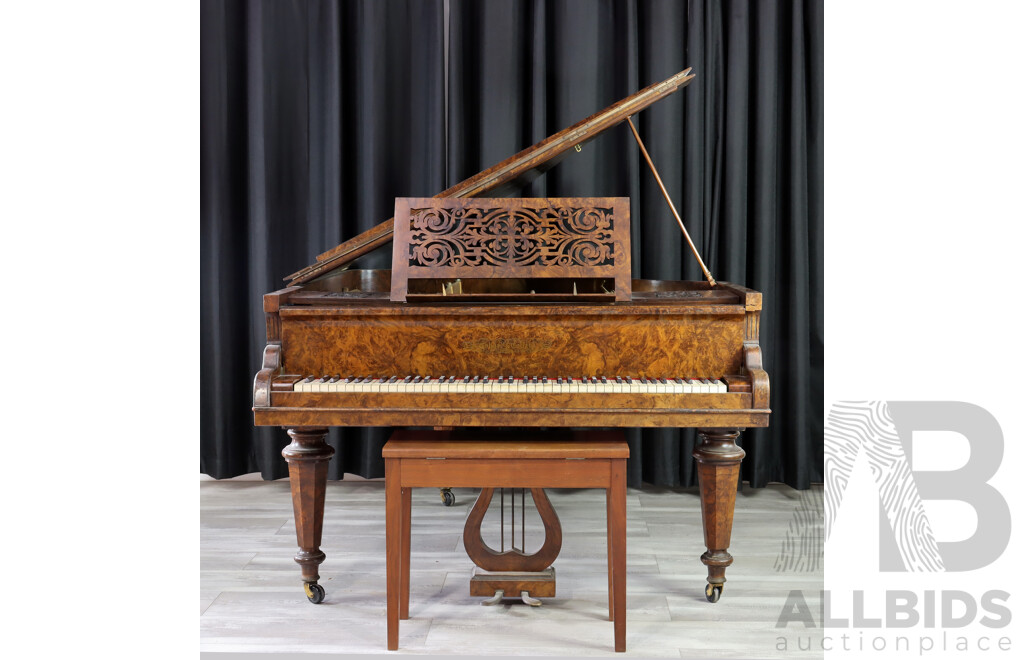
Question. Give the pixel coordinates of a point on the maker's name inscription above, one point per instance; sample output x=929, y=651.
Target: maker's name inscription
x=507, y=345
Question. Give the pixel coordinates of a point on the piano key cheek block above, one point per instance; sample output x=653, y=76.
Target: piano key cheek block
x=503, y=312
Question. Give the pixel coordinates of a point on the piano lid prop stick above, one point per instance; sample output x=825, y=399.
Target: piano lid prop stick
x=668, y=199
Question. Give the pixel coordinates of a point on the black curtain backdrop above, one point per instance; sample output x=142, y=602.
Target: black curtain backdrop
x=316, y=115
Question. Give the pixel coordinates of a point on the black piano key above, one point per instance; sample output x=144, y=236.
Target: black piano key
x=559, y=380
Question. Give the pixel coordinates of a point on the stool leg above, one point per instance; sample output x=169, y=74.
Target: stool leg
x=406, y=549
x=609, y=515
x=616, y=497
x=393, y=516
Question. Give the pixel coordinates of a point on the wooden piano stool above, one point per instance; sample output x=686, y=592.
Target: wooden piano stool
x=476, y=459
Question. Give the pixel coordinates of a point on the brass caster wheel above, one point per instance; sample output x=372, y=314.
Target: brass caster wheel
x=447, y=496
x=314, y=592
x=713, y=592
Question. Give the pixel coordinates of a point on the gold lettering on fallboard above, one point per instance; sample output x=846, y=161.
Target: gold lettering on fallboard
x=507, y=345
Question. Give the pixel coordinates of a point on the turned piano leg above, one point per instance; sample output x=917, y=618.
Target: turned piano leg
x=718, y=470
x=307, y=457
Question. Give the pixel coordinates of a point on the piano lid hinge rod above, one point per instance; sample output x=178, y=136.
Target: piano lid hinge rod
x=668, y=199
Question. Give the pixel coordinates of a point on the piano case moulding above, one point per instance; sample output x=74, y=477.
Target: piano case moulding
x=573, y=249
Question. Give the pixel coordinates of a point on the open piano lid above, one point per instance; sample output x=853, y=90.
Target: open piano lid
x=506, y=176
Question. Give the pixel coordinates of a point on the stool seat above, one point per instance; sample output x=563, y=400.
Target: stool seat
x=444, y=444
x=499, y=459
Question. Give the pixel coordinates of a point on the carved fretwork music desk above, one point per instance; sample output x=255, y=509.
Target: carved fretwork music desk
x=511, y=250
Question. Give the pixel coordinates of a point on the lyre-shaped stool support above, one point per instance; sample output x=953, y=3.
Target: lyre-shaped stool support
x=428, y=459
x=513, y=573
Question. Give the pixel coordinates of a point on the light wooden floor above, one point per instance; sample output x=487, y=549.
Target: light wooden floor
x=251, y=598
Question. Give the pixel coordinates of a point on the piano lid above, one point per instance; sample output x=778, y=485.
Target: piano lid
x=507, y=175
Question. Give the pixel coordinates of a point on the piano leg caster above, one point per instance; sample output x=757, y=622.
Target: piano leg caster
x=314, y=592
x=718, y=471
x=447, y=496
x=307, y=456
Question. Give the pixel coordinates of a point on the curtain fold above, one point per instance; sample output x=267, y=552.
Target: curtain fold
x=316, y=115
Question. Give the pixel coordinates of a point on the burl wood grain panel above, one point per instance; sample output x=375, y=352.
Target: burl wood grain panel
x=441, y=343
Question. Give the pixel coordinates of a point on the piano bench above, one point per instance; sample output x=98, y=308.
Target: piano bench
x=485, y=459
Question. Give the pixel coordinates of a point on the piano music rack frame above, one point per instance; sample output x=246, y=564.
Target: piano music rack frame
x=504, y=239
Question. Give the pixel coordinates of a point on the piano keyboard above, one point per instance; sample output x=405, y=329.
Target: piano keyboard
x=509, y=384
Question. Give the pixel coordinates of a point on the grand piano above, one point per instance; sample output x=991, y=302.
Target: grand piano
x=342, y=352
